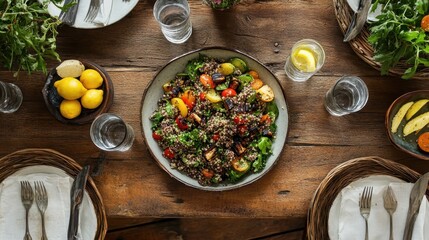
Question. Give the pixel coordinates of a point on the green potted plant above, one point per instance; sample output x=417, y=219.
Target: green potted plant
x=221, y=4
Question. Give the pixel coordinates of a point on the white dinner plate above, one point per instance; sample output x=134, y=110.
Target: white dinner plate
x=119, y=10
x=372, y=16
x=334, y=212
x=87, y=218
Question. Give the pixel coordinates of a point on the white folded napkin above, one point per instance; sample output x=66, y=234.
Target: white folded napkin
x=12, y=211
x=103, y=15
x=352, y=224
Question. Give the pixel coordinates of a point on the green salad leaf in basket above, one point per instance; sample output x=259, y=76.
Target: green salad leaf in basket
x=398, y=35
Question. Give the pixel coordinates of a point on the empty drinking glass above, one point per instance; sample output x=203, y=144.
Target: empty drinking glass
x=10, y=97
x=110, y=133
x=306, y=58
x=173, y=17
x=348, y=95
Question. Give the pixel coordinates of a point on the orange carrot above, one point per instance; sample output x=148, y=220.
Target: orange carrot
x=423, y=141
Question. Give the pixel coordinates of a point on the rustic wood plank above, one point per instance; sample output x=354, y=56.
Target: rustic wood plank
x=212, y=229
x=316, y=143
x=122, y=223
x=132, y=184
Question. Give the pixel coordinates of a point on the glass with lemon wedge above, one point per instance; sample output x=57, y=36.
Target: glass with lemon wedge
x=306, y=58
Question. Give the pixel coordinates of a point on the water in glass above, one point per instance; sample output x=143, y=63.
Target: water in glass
x=10, y=97
x=110, y=133
x=306, y=58
x=173, y=17
x=348, y=95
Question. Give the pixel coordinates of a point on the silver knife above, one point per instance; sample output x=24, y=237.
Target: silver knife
x=358, y=20
x=417, y=193
x=76, y=196
x=69, y=17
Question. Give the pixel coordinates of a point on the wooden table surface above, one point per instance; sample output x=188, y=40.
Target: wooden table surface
x=133, y=50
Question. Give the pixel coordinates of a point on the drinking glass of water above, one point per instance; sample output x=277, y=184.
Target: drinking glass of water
x=110, y=133
x=10, y=97
x=173, y=17
x=307, y=57
x=348, y=95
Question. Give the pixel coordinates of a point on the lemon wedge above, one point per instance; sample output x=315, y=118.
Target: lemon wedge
x=304, y=60
x=415, y=108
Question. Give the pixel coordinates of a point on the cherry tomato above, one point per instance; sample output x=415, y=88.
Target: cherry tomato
x=168, y=153
x=156, y=136
x=216, y=137
x=229, y=92
x=189, y=99
x=207, y=81
x=242, y=130
x=238, y=120
x=423, y=142
x=202, y=96
x=181, y=123
x=425, y=23
x=240, y=165
x=207, y=173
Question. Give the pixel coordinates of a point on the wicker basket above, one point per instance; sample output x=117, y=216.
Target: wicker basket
x=340, y=177
x=13, y=162
x=361, y=46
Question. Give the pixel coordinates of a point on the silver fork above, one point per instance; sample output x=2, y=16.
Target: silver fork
x=94, y=7
x=42, y=204
x=365, y=206
x=390, y=205
x=27, y=201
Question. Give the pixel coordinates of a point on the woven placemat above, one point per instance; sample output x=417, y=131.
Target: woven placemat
x=340, y=177
x=13, y=162
x=361, y=46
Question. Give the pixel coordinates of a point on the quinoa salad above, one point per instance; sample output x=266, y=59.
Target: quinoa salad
x=215, y=121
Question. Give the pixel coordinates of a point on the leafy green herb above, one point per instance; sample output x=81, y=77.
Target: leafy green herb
x=244, y=79
x=272, y=108
x=264, y=144
x=397, y=35
x=27, y=34
x=221, y=4
x=156, y=120
x=193, y=66
x=259, y=163
x=235, y=176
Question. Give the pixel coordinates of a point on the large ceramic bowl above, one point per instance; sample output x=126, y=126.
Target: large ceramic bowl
x=154, y=92
x=408, y=143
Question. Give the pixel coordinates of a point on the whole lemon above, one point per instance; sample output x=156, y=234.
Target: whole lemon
x=70, y=88
x=92, y=98
x=70, y=108
x=91, y=79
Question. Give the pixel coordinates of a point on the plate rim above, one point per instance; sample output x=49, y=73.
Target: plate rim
x=220, y=187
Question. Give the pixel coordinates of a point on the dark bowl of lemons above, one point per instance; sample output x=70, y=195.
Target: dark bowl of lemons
x=77, y=91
